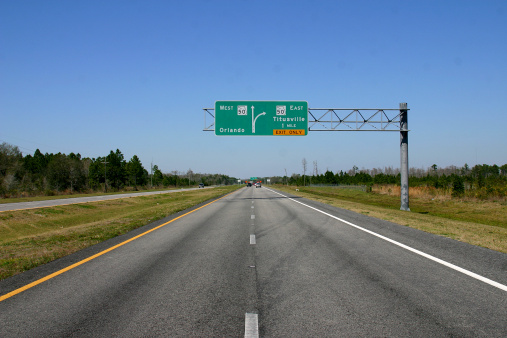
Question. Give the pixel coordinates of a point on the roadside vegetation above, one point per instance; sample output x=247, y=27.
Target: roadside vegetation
x=481, y=182
x=60, y=174
x=471, y=220
x=29, y=238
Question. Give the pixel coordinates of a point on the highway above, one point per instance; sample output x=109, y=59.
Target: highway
x=76, y=200
x=258, y=262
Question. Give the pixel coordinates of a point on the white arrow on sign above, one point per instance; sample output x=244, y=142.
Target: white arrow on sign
x=255, y=119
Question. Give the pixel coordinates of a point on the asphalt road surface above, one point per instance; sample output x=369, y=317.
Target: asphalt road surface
x=75, y=200
x=257, y=263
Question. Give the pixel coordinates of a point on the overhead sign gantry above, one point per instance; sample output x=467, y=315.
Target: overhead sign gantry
x=251, y=118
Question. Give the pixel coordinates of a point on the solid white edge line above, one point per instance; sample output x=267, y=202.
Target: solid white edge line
x=251, y=325
x=433, y=258
x=252, y=239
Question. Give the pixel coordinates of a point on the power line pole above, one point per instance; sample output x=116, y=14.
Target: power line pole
x=105, y=174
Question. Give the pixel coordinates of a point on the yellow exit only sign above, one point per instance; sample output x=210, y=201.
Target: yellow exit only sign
x=291, y=132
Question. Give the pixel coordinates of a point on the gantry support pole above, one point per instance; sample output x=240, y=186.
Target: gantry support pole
x=404, y=156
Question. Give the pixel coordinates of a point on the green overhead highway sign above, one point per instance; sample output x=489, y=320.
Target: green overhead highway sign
x=261, y=118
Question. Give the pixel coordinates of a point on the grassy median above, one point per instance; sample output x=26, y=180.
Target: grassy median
x=65, y=196
x=29, y=238
x=482, y=223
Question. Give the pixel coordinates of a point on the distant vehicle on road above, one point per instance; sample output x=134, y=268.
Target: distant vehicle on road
x=257, y=185
x=249, y=184
x=201, y=185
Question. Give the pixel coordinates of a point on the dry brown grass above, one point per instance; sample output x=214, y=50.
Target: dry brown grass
x=414, y=192
x=431, y=193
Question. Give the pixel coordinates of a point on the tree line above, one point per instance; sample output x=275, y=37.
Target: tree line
x=55, y=173
x=481, y=181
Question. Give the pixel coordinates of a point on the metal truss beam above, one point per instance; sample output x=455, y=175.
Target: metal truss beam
x=339, y=119
x=207, y=114
x=353, y=119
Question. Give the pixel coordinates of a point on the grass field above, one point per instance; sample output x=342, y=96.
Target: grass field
x=29, y=238
x=482, y=223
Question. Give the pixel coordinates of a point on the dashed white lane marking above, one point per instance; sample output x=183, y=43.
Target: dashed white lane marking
x=251, y=325
x=433, y=258
x=253, y=207
x=252, y=239
x=253, y=217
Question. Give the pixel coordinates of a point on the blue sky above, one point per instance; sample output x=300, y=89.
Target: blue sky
x=93, y=76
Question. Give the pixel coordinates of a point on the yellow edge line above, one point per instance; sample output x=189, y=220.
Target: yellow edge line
x=70, y=267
